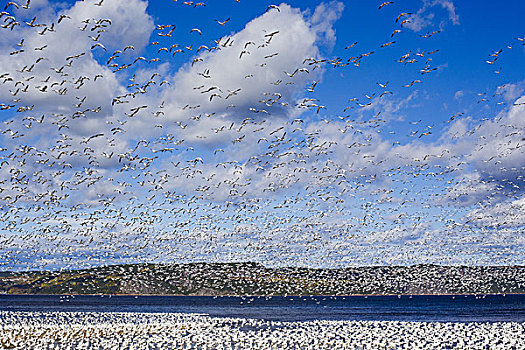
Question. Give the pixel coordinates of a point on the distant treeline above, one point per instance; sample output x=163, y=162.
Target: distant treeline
x=255, y=279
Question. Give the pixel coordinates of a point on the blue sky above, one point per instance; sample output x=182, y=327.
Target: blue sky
x=302, y=133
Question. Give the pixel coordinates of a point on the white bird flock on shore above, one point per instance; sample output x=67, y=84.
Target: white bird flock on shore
x=162, y=331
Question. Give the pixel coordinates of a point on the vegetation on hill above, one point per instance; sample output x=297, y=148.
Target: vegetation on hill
x=255, y=279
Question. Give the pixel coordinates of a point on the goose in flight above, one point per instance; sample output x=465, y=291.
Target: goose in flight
x=385, y=4
x=223, y=22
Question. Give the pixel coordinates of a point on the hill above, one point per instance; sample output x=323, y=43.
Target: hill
x=255, y=279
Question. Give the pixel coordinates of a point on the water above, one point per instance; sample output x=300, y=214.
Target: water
x=490, y=308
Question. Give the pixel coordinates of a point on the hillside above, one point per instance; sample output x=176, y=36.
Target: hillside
x=255, y=279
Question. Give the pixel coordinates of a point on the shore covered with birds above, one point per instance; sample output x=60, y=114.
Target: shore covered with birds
x=85, y=330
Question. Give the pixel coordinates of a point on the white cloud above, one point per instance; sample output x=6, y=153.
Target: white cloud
x=459, y=94
x=253, y=66
x=68, y=100
x=67, y=39
x=323, y=19
x=510, y=92
x=506, y=215
x=424, y=17
x=258, y=80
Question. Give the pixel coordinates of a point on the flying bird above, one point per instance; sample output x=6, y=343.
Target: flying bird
x=385, y=4
x=223, y=22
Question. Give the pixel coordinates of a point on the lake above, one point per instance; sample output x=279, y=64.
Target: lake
x=438, y=308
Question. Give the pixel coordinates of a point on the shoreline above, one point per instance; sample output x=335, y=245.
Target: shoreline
x=267, y=295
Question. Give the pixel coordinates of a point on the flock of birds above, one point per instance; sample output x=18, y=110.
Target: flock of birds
x=108, y=157
x=89, y=178
x=84, y=330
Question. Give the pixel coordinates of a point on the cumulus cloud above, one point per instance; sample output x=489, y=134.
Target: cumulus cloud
x=505, y=215
x=258, y=75
x=259, y=71
x=48, y=77
x=323, y=19
x=424, y=17
x=61, y=94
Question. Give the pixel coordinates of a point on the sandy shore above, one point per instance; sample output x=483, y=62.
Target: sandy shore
x=87, y=330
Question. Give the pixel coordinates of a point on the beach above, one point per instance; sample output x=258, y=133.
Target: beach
x=125, y=330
